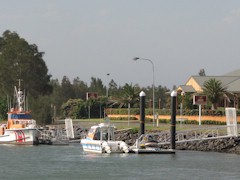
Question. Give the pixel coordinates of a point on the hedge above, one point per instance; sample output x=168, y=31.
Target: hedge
x=194, y=112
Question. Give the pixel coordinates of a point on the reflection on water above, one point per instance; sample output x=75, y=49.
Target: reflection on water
x=70, y=162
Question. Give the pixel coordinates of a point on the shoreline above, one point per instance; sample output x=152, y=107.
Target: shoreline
x=221, y=145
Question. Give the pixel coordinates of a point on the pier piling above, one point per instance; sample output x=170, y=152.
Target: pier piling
x=142, y=112
x=173, y=119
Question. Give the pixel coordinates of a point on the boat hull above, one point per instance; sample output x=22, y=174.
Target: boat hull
x=97, y=146
x=22, y=136
x=92, y=146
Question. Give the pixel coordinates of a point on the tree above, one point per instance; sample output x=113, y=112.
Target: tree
x=3, y=108
x=97, y=106
x=67, y=89
x=41, y=107
x=74, y=108
x=130, y=94
x=160, y=96
x=214, y=91
x=113, y=88
x=80, y=88
x=20, y=60
x=96, y=85
x=56, y=97
x=202, y=72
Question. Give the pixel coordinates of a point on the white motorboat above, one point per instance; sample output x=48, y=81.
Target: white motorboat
x=20, y=128
x=100, y=139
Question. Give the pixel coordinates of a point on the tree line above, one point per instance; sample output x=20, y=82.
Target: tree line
x=50, y=98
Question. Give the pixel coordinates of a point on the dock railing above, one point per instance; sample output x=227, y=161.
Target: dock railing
x=212, y=132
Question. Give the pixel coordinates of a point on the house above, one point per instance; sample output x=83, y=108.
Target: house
x=230, y=80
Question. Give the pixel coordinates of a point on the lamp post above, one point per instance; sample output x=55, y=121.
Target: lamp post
x=106, y=95
x=107, y=85
x=153, y=86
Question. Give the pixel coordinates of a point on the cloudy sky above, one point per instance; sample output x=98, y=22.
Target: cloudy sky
x=91, y=38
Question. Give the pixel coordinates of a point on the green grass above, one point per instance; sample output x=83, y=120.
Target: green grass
x=124, y=124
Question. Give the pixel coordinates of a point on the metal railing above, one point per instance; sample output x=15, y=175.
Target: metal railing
x=213, y=132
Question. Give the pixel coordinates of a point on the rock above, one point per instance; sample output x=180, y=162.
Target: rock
x=225, y=145
x=127, y=136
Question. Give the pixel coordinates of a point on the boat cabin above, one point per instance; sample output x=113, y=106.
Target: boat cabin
x=102, y=132
x=20, y=120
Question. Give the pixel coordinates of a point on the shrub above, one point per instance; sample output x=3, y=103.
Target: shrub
x=135, y=130
x=185, y=112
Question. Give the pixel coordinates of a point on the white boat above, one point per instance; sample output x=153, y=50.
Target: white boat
x=20, y=128
x=100, y=139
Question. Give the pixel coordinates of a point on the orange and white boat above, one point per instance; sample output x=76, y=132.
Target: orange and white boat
x=20, y=128
x=100, y=139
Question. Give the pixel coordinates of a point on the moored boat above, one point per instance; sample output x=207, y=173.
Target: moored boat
x=100, y=139
x=20, y=128
x=147, y=144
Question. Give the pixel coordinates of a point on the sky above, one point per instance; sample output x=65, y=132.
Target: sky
x=93, y=38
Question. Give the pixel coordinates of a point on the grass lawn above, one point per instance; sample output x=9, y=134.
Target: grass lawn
x=123, y=124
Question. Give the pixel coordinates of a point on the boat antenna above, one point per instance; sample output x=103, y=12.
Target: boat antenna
x=19, y=84
x=20, y=96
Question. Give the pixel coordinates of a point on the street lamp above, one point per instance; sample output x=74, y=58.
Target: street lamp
x=153, y=86
x=107, y=85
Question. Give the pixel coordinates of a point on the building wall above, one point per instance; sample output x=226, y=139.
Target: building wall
x=194, y=84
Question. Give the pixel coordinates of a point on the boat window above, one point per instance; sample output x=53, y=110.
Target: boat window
x=105, y=134
x=112, y=136
x=20, y=116
x=97, y=134
x=91, y=130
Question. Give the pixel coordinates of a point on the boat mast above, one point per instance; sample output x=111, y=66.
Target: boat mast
x=20, y=96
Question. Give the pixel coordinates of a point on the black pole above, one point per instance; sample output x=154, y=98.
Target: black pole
x=173, y=118
x=142, y=112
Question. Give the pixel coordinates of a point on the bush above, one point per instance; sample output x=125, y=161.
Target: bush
x=166, y=121
x=134, y=130
x=124, y=118
x=192, y=112
x=211, y=122
x=124, y=111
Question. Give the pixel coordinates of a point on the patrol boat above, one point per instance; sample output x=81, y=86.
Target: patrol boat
x=100, y=139
x=20, y=128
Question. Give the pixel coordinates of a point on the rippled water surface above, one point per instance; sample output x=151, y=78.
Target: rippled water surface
x=70, y=162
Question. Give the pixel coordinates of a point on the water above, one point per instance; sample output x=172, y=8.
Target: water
x=70, y=162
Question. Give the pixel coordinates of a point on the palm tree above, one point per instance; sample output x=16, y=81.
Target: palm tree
x=214, y=91
x=130, y=94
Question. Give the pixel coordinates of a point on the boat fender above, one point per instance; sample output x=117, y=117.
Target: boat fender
x=124, y=147
x=106, y=147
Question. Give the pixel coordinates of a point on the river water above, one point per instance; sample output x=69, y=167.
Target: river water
x=70, y=162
